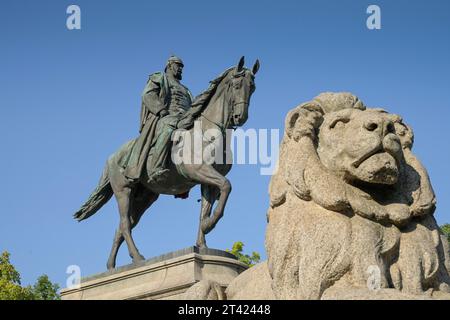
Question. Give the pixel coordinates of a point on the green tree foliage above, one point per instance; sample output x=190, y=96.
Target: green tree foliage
x=44, y=289
x=250, y=261
x=446, y=230
x=11, y=289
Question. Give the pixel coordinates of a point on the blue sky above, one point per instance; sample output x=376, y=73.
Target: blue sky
x=68, y=99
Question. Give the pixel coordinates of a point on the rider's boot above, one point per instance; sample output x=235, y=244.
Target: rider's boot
x=160, y=154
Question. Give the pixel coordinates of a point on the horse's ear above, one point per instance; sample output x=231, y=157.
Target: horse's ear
x=255, y=67
x=240, y=64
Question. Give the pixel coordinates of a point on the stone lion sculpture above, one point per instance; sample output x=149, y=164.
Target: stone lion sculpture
x=351, y=211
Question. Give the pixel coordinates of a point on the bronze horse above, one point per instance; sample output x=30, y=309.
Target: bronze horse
x=226, y=108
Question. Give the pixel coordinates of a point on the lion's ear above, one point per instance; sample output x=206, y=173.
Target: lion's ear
x=290, y=121
x=303, y=121
x=294, y=154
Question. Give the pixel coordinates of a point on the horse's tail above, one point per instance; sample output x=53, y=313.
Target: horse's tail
x=97, y=199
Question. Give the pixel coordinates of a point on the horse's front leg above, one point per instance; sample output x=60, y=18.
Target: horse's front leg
x=207, y=175
x=209, y=196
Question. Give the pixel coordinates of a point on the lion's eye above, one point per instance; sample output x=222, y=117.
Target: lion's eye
x=371, y=126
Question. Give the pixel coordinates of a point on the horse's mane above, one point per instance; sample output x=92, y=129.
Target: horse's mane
x=202, y=100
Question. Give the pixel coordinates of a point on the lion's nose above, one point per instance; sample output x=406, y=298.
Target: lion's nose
x=380, y=125
x=389, y=127
x=391, y=143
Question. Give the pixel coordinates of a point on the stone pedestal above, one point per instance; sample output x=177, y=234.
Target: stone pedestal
x=164, y=277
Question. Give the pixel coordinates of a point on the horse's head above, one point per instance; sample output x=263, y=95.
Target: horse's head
x=242, y=86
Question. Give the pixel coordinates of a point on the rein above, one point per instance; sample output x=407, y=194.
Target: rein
x=222, y=127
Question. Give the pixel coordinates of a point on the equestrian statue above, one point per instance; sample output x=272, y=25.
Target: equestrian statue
x=142, y=169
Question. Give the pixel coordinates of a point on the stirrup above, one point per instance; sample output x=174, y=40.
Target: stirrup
x=157, y=174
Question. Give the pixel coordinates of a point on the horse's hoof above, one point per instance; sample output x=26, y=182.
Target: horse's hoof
x=202, y=246
x=110, y=265
x=139, y=258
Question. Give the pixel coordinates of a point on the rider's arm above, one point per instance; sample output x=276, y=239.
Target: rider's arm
x=152, y=102
x=151, y=97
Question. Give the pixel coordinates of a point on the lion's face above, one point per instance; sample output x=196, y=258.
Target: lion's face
x=360, y=145
x=341, y=155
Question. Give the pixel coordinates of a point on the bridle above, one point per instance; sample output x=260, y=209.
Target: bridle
x=226, y=125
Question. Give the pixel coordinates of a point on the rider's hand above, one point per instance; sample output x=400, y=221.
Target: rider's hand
x=163, y=113
x=185, y=123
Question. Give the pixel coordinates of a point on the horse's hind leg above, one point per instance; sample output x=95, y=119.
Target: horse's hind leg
x=140, y=205
x=118, y=239
x=124, y=197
